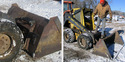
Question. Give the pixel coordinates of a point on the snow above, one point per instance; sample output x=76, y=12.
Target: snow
x=14, y=43
x=77, y=54
x=117, y=26
x=44, y=8
x=54, y=57
x=5, y=20
x=24, y=57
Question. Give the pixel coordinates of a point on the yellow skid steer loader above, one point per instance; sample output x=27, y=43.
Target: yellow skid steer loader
x=79, y=25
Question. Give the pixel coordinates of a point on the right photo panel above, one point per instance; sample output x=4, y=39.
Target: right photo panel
x=94, y=31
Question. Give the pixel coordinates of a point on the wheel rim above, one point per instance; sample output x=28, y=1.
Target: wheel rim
x=82, y=42
x=5, y=43
x=66, y=37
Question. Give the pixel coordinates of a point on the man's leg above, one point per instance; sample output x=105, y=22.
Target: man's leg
x=98, y=24
x=103, y=27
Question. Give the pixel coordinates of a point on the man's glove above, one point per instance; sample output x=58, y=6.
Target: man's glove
x=110, y=19
x=93, y=14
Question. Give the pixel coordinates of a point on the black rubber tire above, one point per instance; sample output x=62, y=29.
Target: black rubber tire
x=15, y=34
x=70, y=33
x=88, y=43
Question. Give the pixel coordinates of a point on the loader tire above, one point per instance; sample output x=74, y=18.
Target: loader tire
x=10, y=41
x=84, y=42
x=69, y=35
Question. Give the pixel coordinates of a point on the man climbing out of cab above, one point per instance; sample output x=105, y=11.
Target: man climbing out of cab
x=102, y=10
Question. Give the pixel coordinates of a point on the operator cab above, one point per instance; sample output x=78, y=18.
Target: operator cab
x=68, y=5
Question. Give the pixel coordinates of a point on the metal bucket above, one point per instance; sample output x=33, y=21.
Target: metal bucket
x=101, y=47
x=43, y=37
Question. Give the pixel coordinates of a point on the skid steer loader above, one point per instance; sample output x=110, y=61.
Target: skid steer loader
x=34, y=34
x=79, y=25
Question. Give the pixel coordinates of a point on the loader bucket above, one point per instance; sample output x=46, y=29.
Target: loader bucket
x=101, y=49
x=102, y=46
x=50, y=40
x=43, y=37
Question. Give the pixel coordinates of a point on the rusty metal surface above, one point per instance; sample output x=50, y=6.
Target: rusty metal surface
x=113, y=38
x=50, y=40
x=101, y=49
x=57, y=22
x=40, y=22
x=83, y=42
x=27, y=28
x=43, y=38
x=5, y=43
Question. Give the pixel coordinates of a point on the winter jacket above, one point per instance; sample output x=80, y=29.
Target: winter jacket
x=103, y=10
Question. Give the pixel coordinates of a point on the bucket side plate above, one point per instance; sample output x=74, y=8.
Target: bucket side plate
x=50, y=40
x=101, y=49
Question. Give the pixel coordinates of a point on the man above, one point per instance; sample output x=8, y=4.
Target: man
x=102, y=10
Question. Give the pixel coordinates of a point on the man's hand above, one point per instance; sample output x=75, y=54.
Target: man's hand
x=93, y=15
x=110, y=19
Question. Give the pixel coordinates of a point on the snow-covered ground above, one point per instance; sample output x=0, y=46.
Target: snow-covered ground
x=73, y=53
x=24, y=57
x=44, y=8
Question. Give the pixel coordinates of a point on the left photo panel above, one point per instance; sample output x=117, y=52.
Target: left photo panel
x=30, y=30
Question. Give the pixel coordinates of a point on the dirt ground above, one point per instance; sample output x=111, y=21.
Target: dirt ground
x=73, y=53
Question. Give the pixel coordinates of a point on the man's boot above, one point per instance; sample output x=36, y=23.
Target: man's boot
x=96, y=30
x=102, y=36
